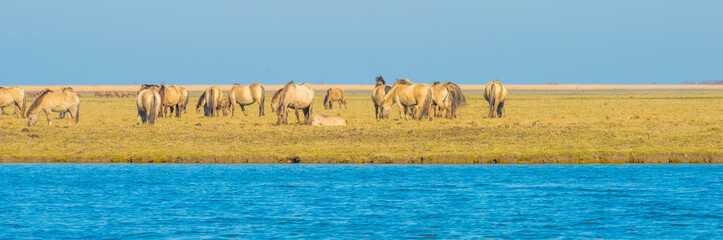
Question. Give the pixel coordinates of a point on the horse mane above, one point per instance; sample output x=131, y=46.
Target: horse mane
x=404, y=81
x=38, y=100
x=435, y=83
x=236, y=84
x=282, y=95
x=380, y=80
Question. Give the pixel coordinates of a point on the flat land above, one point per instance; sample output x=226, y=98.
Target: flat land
x=573, y=127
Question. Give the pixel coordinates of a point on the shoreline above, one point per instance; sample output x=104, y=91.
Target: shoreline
x=603, y=158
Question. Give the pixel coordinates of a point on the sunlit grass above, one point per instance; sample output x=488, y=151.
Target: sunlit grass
x=539, y=127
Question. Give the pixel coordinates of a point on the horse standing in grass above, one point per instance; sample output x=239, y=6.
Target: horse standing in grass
x=447, y=97
x=210, y=102
x=408, y=95
x=170, y=98
x=335, y=94
x=298, y=97
x=70, y=90
x=496, y=94
x=378, y=93
x=13, y=96
x=149, y=105
x=247, y=95
x=56, y=102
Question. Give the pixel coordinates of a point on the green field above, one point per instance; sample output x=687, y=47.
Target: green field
x=540, y=127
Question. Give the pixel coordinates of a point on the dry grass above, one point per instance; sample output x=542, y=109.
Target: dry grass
x=541, y=127
x=561, y=87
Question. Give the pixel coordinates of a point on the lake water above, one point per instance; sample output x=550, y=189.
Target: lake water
x=361, y=201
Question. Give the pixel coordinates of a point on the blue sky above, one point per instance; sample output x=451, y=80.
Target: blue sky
x=350, y=42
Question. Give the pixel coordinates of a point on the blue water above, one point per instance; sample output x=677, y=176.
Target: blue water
x=368, y=201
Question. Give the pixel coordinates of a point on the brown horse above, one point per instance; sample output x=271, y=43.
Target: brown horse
x=170, y=98
x=247, y=95
x=408, y=95
x=496, y=94
x=332, y=95
x=149, y=105
x=98, y=94
x=56, y=102
x=210, y=102
x=380, y=90
x=324, y=120
x=13, y=96
x=297, y=97
x=448, y=97
x=107, y=94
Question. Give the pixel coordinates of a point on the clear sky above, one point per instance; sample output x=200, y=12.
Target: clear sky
x=350, y=42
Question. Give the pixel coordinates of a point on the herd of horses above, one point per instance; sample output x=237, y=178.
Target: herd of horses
x=414, y=100
x=109, y=94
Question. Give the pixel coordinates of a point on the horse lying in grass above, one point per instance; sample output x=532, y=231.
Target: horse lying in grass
x=210, y=102
x=335, y=94
x=447, y=97
x=13, y=96
x=56, y=102
x=408, y=95
x=495, y=93
x=324, y=120
x=148, y=103
x=298, y=97
x=247, y=95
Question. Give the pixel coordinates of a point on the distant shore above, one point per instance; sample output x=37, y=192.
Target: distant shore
x=369, y=87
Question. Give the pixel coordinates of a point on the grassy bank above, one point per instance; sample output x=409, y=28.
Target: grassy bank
x=541, y=127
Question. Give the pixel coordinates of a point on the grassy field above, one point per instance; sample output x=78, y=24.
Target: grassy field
x=540, y=127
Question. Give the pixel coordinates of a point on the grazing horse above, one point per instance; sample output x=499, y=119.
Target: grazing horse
x=275, y=104
x=408, y=95
x=332, y=95
x=170, y=98
x=380, y=90
x=297, y=97
x=324, y=120
x=13, y=96
x=107, y=94
x=496, y=94
x=247, y=95
x=56, y=102
x=98, y=94
x=149, y=105
x=210, y=102
x=448, y=97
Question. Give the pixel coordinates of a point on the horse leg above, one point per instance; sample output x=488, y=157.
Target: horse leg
x=2, y=111
x=501, y=110
x=376, y=110
x=495, y=111
x=492, y=109
x=47, y=115
x=178, y=111
x=308, y=114
x=243, y=109
x=296, y=111
x=261, y=109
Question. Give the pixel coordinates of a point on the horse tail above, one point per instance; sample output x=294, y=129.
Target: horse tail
x=262, y=99
x=492, y=99
x=77, y=113
x=427, y=104
x=326, y=100
x=460, y=99
x=185, y=103
x=153, y=111
x=22, y=108
x=210, y=103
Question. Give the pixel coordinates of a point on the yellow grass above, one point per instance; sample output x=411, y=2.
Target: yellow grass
x=541, y=127
x=561, y=87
